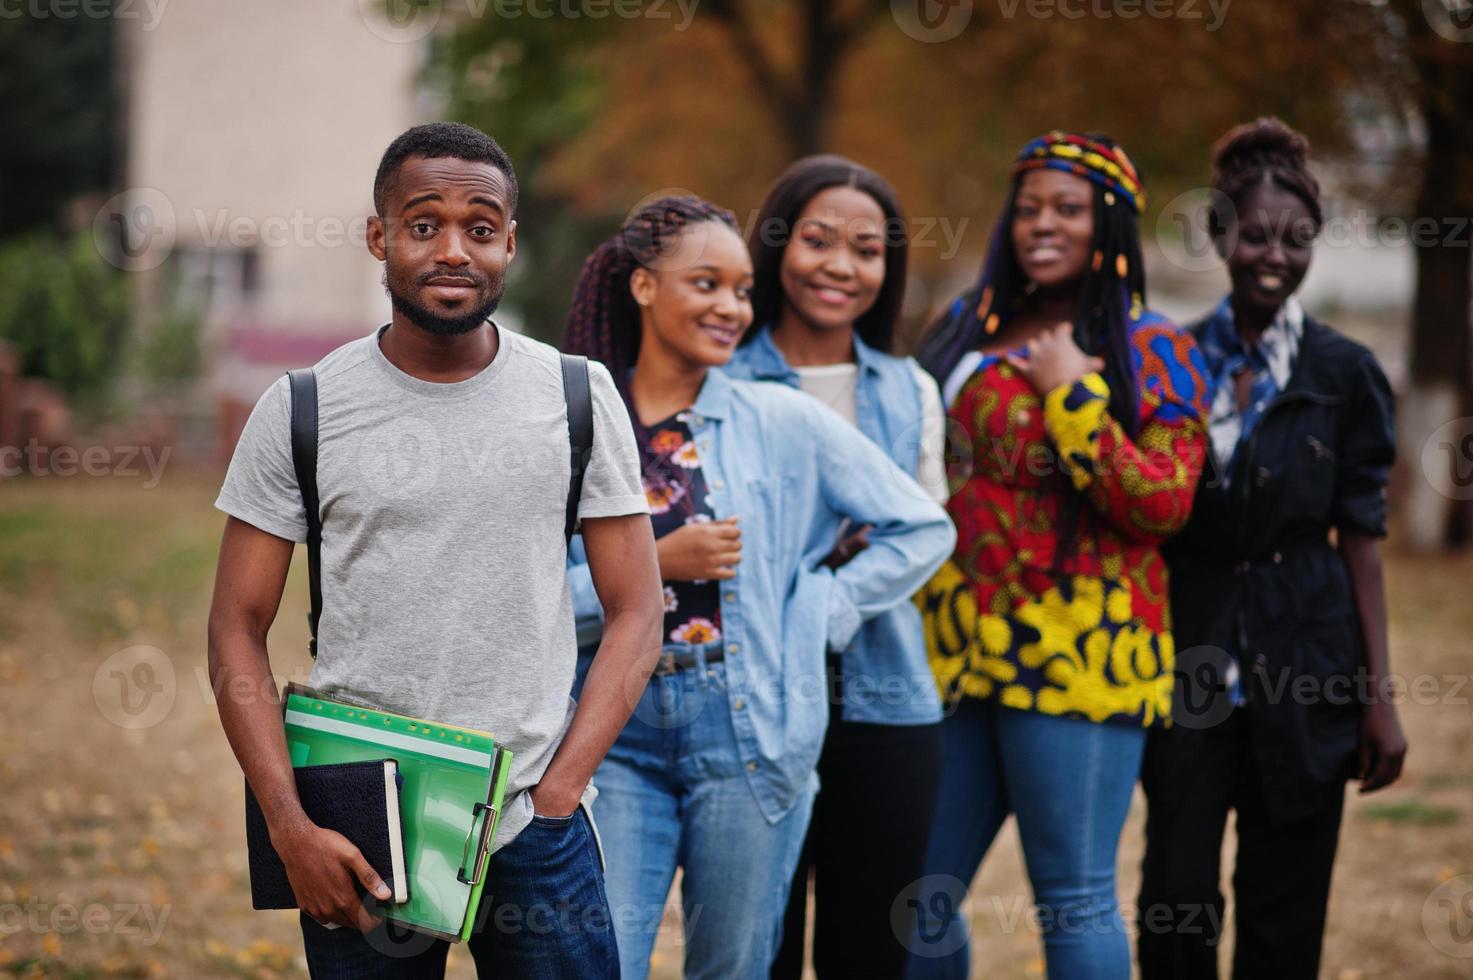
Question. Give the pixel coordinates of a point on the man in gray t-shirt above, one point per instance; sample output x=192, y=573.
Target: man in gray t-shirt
x=443, y=471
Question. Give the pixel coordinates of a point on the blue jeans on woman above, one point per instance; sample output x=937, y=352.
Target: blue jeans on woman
x=1069, y=782
x=673, y=792
x=544, y=916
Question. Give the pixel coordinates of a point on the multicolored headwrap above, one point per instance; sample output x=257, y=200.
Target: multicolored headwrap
x=1112, y=294
x=1073, y=153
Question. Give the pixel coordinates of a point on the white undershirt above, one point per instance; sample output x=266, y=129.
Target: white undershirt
x=833, y=384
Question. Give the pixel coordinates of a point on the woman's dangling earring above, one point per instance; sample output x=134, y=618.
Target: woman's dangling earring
x=985, y=303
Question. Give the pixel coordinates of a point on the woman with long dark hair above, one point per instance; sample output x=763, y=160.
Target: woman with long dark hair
x=1277, y=592
x=1048, y=631
x=714, y=773
x=829, y=251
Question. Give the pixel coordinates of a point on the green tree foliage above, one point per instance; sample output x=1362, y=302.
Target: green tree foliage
x=65, y=311
x=600, y=113
x=58, y=114
x=62, y=307
x=534, y=84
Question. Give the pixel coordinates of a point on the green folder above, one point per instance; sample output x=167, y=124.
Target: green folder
x=450, y=803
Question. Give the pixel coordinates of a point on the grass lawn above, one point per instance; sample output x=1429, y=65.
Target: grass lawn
x=121, y=833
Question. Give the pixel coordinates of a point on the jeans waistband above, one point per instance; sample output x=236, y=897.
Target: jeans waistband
x=689, y=656
x=678, y=656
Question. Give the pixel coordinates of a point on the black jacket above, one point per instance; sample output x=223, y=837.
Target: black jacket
x=1254, y=575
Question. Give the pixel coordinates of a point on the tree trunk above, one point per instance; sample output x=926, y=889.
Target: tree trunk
x=800, y=102
x=1441, y=358
x=1444, y=291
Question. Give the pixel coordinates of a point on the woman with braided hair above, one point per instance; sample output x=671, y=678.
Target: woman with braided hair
x=748, y=483
x=1277, y=592
x=1048, y=630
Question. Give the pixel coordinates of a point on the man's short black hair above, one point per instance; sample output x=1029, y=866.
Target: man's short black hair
x=439, y=140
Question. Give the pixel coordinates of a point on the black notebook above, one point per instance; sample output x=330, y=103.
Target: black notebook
x=359, y=800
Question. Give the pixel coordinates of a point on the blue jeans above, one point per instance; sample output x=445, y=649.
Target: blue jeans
x=673, y=793
x=544, y=916
x=1069, y=782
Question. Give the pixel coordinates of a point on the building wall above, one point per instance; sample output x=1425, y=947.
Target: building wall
x=260, y=125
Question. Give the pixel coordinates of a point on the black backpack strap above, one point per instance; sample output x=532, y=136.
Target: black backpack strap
x=304, y=461
x=580, y=432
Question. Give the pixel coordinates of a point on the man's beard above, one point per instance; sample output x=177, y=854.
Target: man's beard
x=453, y=324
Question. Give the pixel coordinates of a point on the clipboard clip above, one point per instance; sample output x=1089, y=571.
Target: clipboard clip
x=478, y=866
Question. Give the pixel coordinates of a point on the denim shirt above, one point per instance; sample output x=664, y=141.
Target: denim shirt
x=887, y=680
x=788, y=467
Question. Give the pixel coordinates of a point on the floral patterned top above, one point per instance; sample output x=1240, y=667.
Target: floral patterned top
x=1055, y=599
x=676, y=492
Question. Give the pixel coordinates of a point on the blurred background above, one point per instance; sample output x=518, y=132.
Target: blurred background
x=184, y=188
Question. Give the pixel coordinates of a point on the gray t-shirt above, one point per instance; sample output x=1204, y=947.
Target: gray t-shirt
x=444, y=588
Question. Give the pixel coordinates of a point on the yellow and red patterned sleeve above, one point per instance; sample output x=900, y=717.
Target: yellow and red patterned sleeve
x=1142, y=486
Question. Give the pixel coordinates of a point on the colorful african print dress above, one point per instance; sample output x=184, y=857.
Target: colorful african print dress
x=1055, y=604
